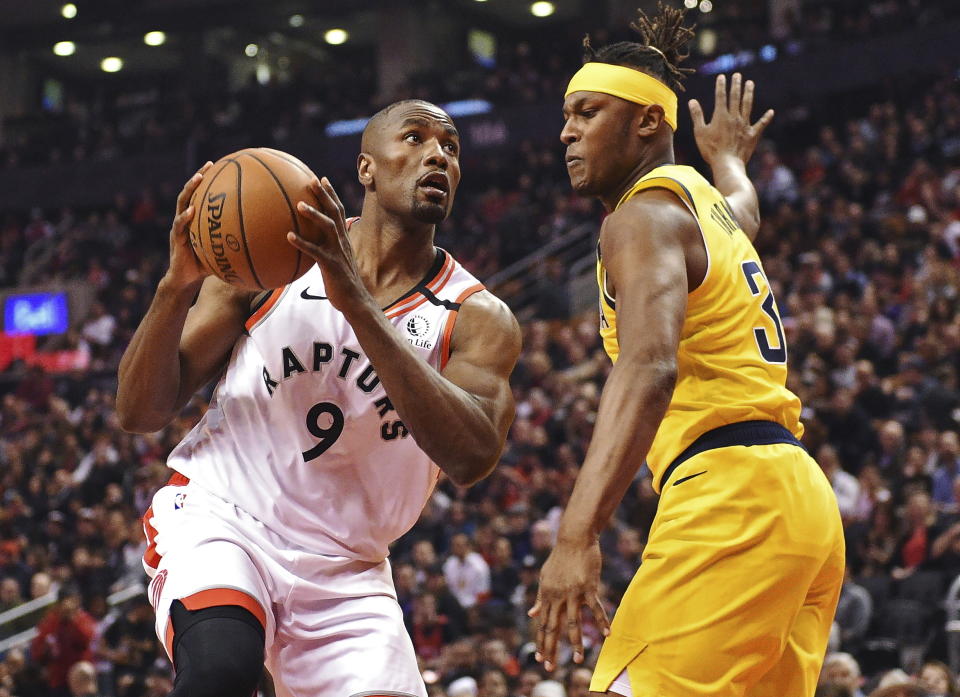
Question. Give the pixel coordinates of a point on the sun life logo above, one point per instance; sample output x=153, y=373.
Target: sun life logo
x=418, y=325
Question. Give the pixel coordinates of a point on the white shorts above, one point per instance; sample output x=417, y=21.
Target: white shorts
x=621, y=685
x=332, y=624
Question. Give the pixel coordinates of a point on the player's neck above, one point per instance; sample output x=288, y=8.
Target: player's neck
x=657, y=156
x=391, y=254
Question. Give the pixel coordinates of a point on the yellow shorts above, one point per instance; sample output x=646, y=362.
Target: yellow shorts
x=739, y=581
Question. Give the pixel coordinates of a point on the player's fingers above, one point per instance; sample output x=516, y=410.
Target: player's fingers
x=535, y=610
x=746, y=106
x=305, y=246
x=720, y=95
x=183, y=198
x=736, y=92
x=762, y=123
x=183, y=218
x=328, y=187
x=574, y=631
x=551, y=639
x=696, y=114
x=600, y=614
x=330, y=204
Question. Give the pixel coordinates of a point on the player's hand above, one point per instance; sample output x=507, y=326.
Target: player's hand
x=729, y=132
x=569, y=580
x=185, y=268
x=326, y=224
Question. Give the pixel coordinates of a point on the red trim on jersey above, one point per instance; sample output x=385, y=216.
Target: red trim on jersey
x=168, y=638
x=264, y=309
x=451, y=321
x=414, y=301
x=226, y=596
x=150, y=556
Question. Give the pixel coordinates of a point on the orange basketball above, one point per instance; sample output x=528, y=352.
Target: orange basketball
x=244, y=208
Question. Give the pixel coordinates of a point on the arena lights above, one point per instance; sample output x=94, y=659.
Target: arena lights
x=154, y=38
x=251, y=50
x=111, y=64
x=335, y=37
x=542, y=9
x=296, y=20
x=64, y=48
x=689, y=4
x=706, y=6
x=69, y=11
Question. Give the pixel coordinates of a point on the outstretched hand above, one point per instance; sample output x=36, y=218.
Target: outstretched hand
x=729, y=132
x=569, y=580
x=323, y=236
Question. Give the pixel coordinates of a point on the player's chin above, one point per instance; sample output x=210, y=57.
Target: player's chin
x=430, y=212
x=581, y=185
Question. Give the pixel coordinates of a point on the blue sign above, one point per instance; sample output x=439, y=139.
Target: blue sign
x=37, y=313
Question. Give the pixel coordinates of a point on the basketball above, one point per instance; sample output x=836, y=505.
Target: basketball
x=244, y=208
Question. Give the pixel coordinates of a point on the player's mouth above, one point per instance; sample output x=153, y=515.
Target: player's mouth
x=435, y=185
x=573, y=161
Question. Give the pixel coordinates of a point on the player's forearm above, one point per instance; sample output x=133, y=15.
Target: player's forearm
x=148, y=387
x=447, y=422
x=730, y=178
x=634, y=401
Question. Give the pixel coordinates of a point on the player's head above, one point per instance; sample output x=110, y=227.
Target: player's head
x=409, y=161
x=621, y=106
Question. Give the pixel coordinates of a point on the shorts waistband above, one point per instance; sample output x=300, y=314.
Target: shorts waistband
x=744, y=433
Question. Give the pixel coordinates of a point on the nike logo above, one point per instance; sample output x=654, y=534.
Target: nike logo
x=306, y=296
x=688, y=477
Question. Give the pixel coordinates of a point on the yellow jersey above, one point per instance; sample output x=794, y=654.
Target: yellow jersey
x=732, y=358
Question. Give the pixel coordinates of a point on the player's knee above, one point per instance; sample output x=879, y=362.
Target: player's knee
x=218, y=652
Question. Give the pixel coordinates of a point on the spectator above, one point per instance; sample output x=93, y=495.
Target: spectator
x=854, y=612
x=63, y=638
x=467, y=574
x=937, y=680
x=82, y=680
x=577, y=683
x=842, y=669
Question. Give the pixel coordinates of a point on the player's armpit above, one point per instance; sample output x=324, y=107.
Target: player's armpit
x=483, y=352
x=213, y=325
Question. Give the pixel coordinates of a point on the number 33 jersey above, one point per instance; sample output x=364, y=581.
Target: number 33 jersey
x=732, y=358
x=300, y=432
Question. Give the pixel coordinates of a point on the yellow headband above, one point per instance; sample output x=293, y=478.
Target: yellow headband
x=625, y=83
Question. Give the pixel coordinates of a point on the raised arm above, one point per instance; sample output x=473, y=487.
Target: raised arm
x=180, y=344
x=727, y=144
x=460, y=418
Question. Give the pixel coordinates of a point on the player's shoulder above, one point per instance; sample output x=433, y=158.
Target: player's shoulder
x=486, y=319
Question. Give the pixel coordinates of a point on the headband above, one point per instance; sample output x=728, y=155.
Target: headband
x=628, y=84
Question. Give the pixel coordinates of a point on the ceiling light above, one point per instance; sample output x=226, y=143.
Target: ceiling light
x=69, y=10
x=689, y=4
x=296, y=20
x=336, y=36
x=154, y=38
x=542, y=9
x=706, y=6
x=111, y=64
x=251, y=50
x=64, y=48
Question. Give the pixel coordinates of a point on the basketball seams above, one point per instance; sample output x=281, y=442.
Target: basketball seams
x=288, y=159
x=243, y=232
x=293, y=214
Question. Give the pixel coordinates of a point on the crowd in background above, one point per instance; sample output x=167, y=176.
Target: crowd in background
x=861, y=241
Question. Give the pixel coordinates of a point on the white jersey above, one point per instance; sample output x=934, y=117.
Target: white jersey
x=300, y=432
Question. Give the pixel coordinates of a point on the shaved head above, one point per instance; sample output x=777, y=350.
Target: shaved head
x=374, y=128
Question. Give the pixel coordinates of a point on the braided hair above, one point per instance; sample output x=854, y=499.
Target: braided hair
x=663, y=49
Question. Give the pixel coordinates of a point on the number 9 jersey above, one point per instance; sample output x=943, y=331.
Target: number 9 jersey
x=732, y=358
x=300, y=432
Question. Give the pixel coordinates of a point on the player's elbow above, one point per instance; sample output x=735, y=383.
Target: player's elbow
x=467, y=469
x=658, y=375
x=134, y=420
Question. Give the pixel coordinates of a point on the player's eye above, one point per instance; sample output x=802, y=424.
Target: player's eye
x=412, y=137
x=452, y=147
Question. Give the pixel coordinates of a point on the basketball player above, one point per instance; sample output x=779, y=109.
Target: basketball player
x=741, y=573
x=343, y=397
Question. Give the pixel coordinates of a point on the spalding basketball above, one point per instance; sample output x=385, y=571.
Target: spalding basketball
x=244, y=207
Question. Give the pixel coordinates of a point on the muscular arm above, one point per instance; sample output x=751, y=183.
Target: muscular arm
x=177, y=349
x=460, y=418
x=730, y=178
x=643, y=247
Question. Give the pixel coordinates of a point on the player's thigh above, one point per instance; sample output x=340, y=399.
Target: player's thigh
x=797, y=671
x=345, y=646
x=725, y=573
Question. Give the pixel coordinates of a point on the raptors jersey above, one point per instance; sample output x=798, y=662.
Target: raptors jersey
x=301, y=434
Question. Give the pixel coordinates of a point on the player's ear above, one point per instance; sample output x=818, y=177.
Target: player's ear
x=651, y=116
x=365, y=169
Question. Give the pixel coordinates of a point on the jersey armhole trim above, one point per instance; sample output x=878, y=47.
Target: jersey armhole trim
x=264, y=309
x=452, y=321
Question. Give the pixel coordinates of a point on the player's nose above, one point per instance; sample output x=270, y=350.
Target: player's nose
x=435, y=155
x=568, y=135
